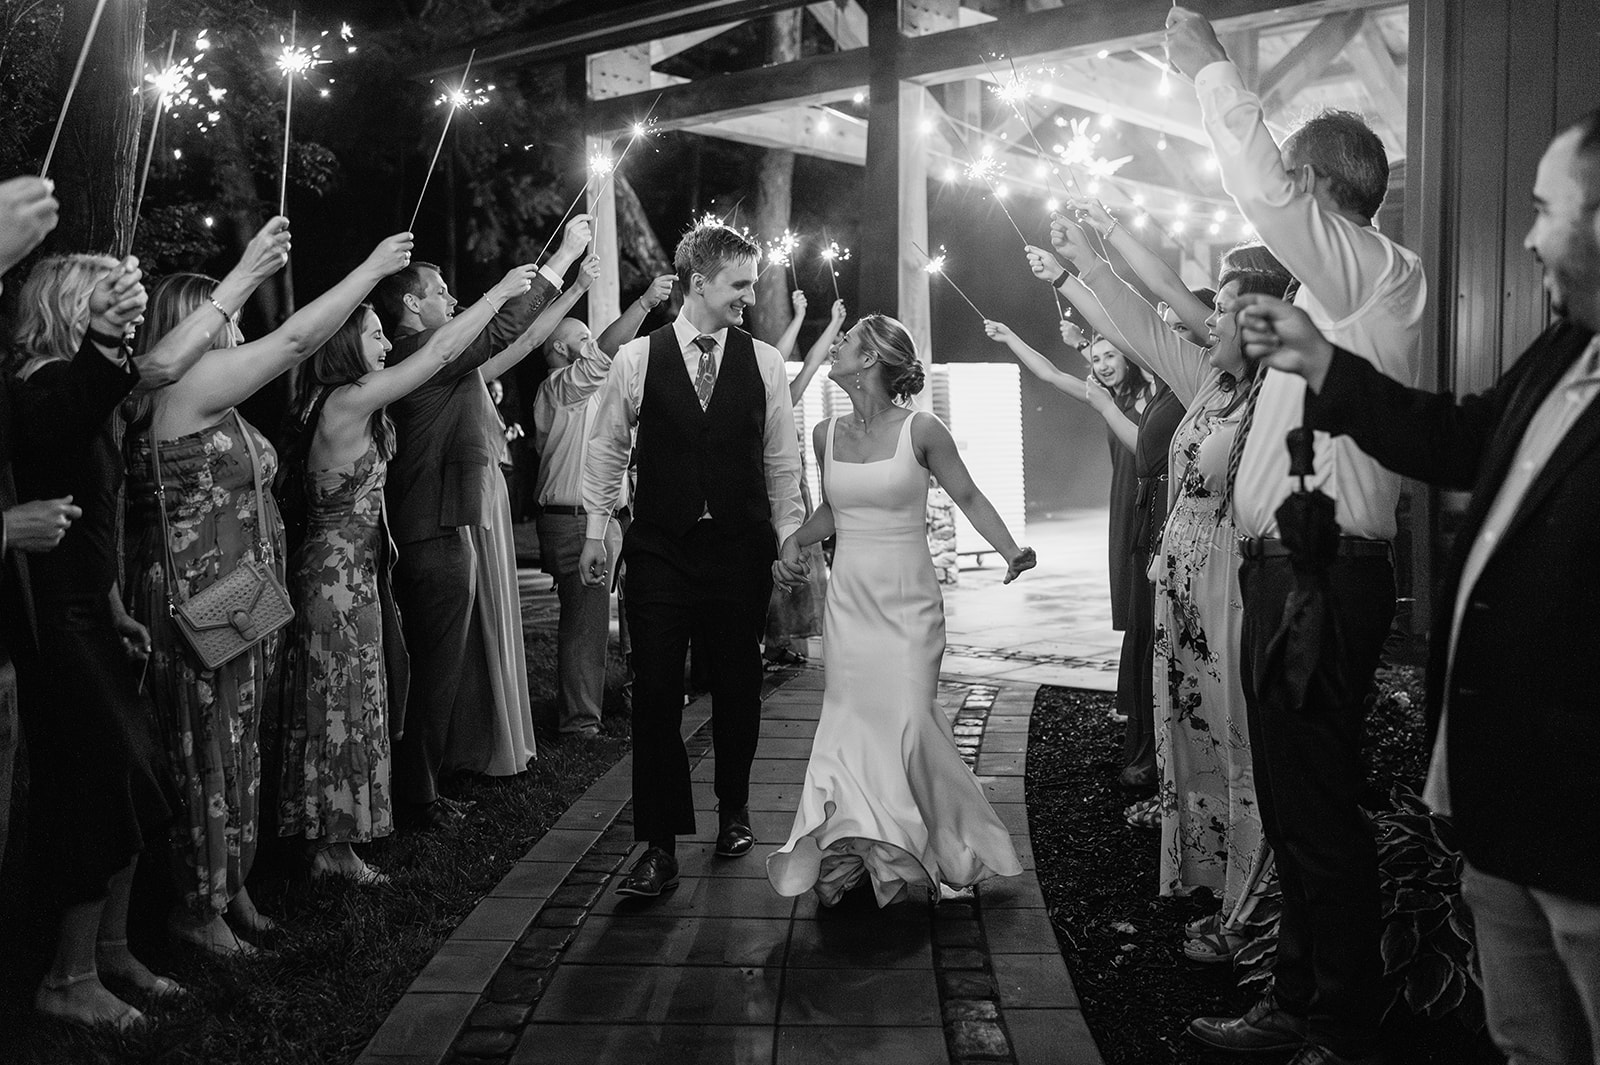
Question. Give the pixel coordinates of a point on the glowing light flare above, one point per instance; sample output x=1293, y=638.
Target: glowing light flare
x=601, y=165
x=465, y=98
x=833, y=253
x=984, y=167
x=1013, y=92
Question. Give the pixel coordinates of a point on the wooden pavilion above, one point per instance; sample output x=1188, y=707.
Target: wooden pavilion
x=1464, y=93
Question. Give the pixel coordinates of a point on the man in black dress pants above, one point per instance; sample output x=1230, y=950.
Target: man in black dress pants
x=1511, y=705
x=718, y=490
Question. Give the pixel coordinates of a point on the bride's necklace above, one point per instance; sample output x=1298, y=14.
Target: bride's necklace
x=865, y=423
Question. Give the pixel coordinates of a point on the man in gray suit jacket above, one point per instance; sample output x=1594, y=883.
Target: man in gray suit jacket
x=447, y=439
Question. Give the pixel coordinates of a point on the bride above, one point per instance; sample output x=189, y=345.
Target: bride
x=886, y=794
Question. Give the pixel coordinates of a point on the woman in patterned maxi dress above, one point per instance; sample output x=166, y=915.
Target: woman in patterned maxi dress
x=336, y=766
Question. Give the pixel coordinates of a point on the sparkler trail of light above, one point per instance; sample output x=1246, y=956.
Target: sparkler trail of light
x=72, y=86
x=833, y=254
x=642, y=129
x=455, y=104
x=293, y=61
x=936, y=265
x=164, y=82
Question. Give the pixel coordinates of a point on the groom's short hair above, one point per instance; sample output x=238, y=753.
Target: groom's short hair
x=709, y=247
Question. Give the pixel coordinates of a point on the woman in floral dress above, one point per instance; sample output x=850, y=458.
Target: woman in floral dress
x=336, y=762
x=210, y=462
x=1210, y=827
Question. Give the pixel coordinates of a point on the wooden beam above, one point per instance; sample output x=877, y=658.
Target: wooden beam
x=1083, y=29
x=845, y=22
x=1379, y=75
x=664, y=48
x=798, y=130
x=1308, y=59
x=813, y=80
x=1126, y=91
x=630, y=24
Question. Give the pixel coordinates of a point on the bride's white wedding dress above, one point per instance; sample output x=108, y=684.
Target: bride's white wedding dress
x=886, y=791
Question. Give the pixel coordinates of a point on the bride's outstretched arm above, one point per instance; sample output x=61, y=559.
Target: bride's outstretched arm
x=936, y=449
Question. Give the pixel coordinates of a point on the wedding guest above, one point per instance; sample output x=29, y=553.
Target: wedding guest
x=791, y=332
x=336, y=785
x=455, y=581
x=718, y=488
x=95, y=790
x=1509, y=708
x=197, y=509
x=28, y=212
x=563, y=416
x=1313, y=202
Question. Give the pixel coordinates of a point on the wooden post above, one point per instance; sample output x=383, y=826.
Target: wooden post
x=605, y=295
x=880, y=243
x=915, y=311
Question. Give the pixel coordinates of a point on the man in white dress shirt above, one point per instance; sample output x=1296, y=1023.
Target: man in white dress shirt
x=1312, y=202
x=563, y=412
x=1510, y=675
x=718, y=490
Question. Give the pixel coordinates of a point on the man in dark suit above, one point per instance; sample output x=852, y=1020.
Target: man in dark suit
x=718, y=490
x=1512, y=712
x=447, y=440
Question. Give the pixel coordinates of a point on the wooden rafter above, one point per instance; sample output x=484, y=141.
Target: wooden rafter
x=1125, y=91
x=1385, y=83
x=1308, y=59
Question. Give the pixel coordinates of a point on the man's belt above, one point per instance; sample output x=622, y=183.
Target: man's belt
x=1259, y=548
x=561, y=510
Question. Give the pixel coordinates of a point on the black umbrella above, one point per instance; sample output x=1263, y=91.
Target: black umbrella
x=1308, y=642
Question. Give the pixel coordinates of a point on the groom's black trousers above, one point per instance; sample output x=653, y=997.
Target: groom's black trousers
x=714, y=581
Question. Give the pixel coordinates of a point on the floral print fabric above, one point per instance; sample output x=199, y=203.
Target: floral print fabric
x=336, y=761
x=209, y=720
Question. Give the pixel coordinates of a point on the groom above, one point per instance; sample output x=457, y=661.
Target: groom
x=718, y=489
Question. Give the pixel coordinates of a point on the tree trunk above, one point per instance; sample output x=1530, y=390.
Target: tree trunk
x=95, y=165
x=774, y=186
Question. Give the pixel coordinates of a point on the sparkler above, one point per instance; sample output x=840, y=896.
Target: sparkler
x=72, y=86
x=935, y=265
x=833, y=254
x=169, y=82
x=602, y=166
x=292, y=62
x=457, y=99
x=781, y=253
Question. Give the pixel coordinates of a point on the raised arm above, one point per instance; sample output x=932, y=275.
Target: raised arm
x=791, y=335
x=817, y=352
x=1047, y=268
x=936, y=449
x=1152, y=345
x=176, y=353
x=626, y=327
x=1157, y=276
x=512, y=322
x=28, y=212
x=1036, y=364
x=540, y=328
x=382, y=387
x=227, y=376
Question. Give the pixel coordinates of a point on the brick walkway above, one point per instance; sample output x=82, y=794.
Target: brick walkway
x=554, y=967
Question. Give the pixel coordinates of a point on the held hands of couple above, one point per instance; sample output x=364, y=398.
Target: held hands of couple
x=1282, y=336
x=789, y=569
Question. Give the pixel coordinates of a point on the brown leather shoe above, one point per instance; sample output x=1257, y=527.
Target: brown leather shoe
x=655, y=872
x=735, y=838
x=1265, y=1027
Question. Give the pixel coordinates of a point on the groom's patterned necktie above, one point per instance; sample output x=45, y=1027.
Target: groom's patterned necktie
x=705, y=375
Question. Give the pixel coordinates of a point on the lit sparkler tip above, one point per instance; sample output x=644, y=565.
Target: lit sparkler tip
x=984, y=167
x=935, y=263
x=292, y=60
x=601, y=165
x=645, y=128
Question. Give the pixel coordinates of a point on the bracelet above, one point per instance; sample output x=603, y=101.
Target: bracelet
x=226, y=316
x=1060, y=279
x=106, y=340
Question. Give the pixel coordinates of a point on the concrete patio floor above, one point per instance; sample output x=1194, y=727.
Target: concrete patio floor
x=553, y=966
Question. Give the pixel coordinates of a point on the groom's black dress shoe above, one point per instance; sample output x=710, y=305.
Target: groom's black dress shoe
x=734, y=837
x=1266, y=1026
x=655, y=872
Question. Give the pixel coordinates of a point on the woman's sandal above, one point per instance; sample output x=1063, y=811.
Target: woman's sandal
x=1146, y=813
x=1204, y=926
x=1214, y=948
x=136, y=976
x=122, y=1020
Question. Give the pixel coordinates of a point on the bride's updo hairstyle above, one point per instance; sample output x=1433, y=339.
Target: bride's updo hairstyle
x=902, y=370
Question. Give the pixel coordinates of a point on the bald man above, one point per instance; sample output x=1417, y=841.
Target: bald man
x=562, y=413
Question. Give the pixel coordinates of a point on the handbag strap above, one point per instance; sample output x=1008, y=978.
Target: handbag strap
x=174, y=595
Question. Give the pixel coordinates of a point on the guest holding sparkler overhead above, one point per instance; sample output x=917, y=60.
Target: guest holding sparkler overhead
x=468, y=707
x=336, y=782
x=791, y=332
x=95, y=789
x=198, y=510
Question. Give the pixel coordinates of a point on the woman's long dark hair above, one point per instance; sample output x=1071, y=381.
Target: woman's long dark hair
x=1258, y=277
x=339, y=362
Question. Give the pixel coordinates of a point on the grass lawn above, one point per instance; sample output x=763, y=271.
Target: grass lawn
x=344, y=954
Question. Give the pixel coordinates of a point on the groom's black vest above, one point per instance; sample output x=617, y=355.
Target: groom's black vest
x=693, y=460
